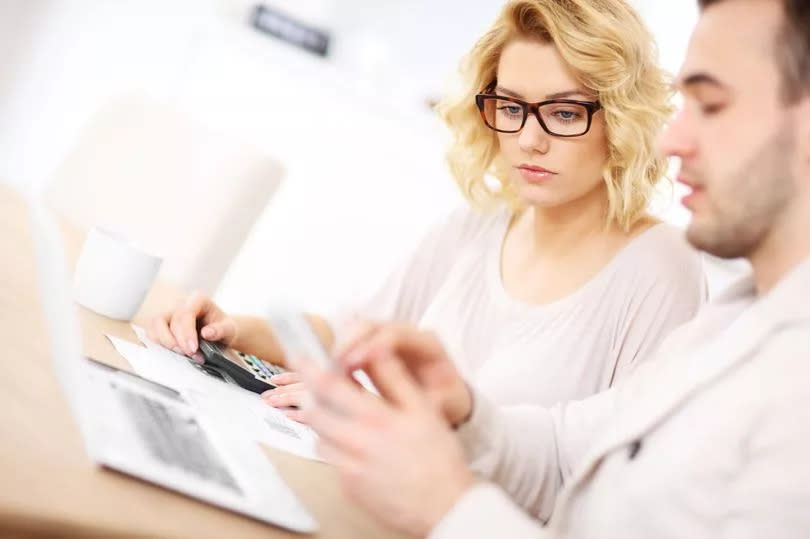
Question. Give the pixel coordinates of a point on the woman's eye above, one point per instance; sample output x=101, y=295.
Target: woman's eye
x=567, y=115
x=512, y=110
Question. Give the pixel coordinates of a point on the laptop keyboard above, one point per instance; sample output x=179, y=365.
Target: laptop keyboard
x=176, y=439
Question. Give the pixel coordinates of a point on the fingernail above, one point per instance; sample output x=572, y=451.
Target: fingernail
x=267, y=394
x=198, y=358
x=276, y=378
x=207, y=333
x=191, y=345
x=177, y=350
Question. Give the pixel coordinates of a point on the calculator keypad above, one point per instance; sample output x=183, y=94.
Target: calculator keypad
x=260, y=369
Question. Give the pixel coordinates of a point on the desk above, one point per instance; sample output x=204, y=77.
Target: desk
x=49, y=485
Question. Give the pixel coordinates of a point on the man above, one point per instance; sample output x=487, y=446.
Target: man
x=710, y=439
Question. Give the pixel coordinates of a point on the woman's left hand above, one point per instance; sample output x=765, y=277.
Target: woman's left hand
x=289, y=395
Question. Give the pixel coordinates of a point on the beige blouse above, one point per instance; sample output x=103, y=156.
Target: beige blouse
x=519, y=354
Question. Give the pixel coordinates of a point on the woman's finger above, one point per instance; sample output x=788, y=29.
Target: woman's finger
x=284, y=400
x=295, y=415
x=222, y=330
x=285, y=379
x=279, y=390
x=160, y=333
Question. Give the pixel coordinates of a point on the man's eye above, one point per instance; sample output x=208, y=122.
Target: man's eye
x=711, y=108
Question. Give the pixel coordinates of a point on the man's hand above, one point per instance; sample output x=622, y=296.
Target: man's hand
x=395, y=455
x=422, y=355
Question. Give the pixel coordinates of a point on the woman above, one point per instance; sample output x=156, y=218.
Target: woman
x=555, y=282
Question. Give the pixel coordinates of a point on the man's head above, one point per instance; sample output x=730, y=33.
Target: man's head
x=743, y=135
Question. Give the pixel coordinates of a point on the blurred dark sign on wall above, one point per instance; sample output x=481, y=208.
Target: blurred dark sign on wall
x=280, y=25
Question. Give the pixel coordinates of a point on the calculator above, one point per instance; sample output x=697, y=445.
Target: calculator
x=232, y=366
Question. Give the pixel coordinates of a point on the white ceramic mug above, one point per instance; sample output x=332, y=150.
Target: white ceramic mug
x=112, y=275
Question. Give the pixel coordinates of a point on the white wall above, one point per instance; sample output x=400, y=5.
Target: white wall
x=75, y=55
x=365, y=172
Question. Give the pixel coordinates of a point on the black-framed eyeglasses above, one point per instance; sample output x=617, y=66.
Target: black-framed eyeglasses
x=557, y=117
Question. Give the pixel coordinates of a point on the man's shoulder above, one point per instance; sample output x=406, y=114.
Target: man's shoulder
x=773, y=376
x=788, y=345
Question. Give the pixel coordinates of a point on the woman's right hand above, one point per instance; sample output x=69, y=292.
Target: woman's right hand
x=177, y=329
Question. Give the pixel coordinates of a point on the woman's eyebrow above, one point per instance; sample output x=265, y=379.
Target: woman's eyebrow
x=557, y=95
x=569, y=93
x=508, y=92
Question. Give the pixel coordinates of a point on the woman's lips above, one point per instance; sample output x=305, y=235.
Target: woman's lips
x=535, y=174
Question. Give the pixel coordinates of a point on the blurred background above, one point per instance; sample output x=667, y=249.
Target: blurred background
x=198, y=112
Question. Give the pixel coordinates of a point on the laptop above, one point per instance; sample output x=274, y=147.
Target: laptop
x=147, y=430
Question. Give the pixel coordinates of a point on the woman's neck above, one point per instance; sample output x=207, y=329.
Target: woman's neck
x=557, y=231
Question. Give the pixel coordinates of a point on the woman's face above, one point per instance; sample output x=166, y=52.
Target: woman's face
x=547, y=170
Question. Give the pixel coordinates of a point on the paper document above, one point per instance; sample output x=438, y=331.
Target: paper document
x=222, y=402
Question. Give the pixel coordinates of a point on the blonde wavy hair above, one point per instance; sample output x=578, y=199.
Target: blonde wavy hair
x=611, y=52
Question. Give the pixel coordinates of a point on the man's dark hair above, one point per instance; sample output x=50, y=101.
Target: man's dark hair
x=792, y=47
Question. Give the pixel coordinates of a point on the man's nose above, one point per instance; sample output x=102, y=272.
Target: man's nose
x=677, y=139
